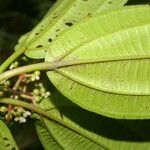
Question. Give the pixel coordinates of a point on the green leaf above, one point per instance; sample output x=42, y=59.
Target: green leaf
x=6, y=140
x=61, y=16
x=46, y=138
x=103, y=63
x=89, y=130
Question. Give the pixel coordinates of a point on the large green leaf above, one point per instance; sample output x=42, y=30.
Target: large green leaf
x=104, y=63
x=88, y=130
x=62, y=15
x=6, y=140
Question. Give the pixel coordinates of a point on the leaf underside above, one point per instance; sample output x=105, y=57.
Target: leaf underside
x=94, y=131
x=107, y=67
x=60, y=17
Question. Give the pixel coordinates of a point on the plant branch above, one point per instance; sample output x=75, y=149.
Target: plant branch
x=28, y=68
x=58, y=64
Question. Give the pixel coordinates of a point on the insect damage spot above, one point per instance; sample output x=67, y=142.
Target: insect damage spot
x=13, y=148
x=39, y=46
x=110, y=2
x=57, y=30
x=7, y=145
x=89, y=14
x=50, y=40
x=36, y=33
x=69, y=24
x=5, y=138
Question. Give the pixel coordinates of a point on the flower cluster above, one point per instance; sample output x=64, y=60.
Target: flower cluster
x=28, y=88
x=40, y=93
x=17, y=114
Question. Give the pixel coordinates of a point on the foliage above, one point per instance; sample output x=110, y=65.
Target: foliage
x=96, y=54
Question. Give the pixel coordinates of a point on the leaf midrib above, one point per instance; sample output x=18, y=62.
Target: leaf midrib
x=105, y=60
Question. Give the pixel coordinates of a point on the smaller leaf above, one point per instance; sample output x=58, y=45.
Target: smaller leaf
x=6, y=140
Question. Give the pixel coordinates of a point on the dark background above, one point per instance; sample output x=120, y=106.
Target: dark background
x=16, y=18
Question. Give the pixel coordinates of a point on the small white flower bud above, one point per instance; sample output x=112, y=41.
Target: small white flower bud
x=37, y=73
x=26, y=114
x=22, y=120
x=16, y=97
x=16, y=119
x=36, y=91
x=37, y=78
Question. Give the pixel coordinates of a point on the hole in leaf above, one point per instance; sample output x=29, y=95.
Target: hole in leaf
x=8, y=145
x=49, y=40
x=39, y=46
x=57, y=30
x=89, y=14
x=69, y=24
x=5, y=138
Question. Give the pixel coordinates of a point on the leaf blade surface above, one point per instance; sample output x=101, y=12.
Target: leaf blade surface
x=60, y=17
x=109, y=64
